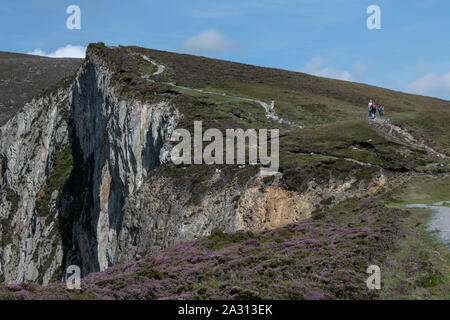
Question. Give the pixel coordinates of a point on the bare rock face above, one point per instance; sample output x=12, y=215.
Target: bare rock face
x=162, y=212
x=30, y=247
x=120, y=141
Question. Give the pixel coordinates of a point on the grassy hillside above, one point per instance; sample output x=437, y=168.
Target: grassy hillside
x=24, y=76
x=324, y=257
x=332, y=112
x=307, y=99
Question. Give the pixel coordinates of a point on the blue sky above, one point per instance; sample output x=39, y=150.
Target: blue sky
x=330, y=38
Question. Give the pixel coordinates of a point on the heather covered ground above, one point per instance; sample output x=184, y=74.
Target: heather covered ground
x=24, y=76
x=325, y=257
x=322, y=258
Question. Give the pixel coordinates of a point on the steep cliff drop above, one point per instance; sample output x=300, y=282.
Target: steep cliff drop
x=35, y=158
x=120, y=141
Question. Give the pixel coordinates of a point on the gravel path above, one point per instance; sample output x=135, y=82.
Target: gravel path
x=402, y=136
x=269, y=114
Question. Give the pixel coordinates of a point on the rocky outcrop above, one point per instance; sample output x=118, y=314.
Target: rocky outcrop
x=115, y=143
x=164, y=212
x=30, y=246
x=120, y=142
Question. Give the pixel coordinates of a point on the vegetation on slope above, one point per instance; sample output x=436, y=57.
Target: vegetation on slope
x=308, y=99
x=25, y=76
x=323, y=258
x=419, y=268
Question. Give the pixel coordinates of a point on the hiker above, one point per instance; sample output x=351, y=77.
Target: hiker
x=272, y=106
x=381, y=111
x=374, y=110
x=370, y=108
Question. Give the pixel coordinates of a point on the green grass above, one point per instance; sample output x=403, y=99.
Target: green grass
x=354, y=139
x=420, y=268
x=296, y=106
x=147, y=68
x=422, y=190
x=431, y=124
x=221, y=112
x=219, y=240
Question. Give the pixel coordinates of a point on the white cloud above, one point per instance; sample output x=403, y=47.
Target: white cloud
x=361, y=68
x=430, y=83
x=209, y=41
x=37, y=52
x=316, y=67
x=68, y=51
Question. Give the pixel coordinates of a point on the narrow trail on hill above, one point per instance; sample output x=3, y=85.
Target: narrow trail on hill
x=383, y=126
x=265, y=106
x=361, y=163
x=402, y=136
x=160, y=67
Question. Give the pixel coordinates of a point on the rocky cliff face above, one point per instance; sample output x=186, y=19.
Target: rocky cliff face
x=82, y=183
x=117, y=142
x=120, y=142
x=165, y=212
x=30, y=248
